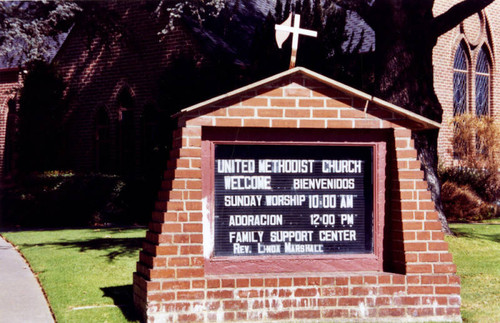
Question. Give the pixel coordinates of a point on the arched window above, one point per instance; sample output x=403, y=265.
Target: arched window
x=126, y=133
x=460, y=81
x=482, y=83
x=102, y=140
x=153, y=144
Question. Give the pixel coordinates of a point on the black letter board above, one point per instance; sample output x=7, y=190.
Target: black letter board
x=293, y=200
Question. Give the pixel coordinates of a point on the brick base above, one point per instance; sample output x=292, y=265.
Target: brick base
x=361, y=297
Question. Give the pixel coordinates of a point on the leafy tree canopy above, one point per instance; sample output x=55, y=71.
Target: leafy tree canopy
x=33, y=30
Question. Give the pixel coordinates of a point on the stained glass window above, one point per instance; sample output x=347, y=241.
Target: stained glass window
x=482, y=83
x=460, y=81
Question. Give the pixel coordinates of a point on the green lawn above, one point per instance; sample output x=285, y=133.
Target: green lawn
x=87, y=274
x=476, y=251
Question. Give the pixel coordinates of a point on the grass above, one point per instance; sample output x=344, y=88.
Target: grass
x=476, y=251
x=490, y=221
x=86, y=273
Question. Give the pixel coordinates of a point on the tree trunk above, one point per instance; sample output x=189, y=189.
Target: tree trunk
x=406, y=32
x=404, y=76
x=426, y=144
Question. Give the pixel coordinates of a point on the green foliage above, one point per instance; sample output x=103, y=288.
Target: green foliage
x=31, y=30
x=86, y=274
x=476, y=252
x=197, y=10
x=59, y=199
x=35, y=30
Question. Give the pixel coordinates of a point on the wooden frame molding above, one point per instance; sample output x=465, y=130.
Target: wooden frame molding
x=297, y=263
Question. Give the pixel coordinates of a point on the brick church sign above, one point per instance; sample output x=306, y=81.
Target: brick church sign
x=295, y=198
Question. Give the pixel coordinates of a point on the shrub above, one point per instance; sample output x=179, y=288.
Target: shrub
x=471, y=190
x=462, y=204
x=58, y=199
x=483, y=183
x=475, y=142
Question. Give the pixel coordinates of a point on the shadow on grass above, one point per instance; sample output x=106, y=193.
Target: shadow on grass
x=122, y=297
x=117, y=246
x=475, y=234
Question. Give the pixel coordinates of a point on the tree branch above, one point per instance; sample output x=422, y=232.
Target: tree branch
x=361, y=7
x=456, y=14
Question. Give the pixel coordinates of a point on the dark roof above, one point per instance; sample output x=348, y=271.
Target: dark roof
x=251, y=15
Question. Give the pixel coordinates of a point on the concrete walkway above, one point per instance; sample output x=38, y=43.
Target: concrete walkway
x=21, y=298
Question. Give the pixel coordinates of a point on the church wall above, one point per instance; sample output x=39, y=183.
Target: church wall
x=475, y=32
x=96, y=70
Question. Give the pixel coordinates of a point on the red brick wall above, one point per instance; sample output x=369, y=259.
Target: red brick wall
x=9, y=81
x=475, y=32
x=96, y=70
x=419, y=280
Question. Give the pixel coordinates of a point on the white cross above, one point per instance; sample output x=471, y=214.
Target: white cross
x=283, y=32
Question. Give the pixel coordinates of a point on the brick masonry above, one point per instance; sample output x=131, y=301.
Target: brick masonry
x=95, y=70
x=418, y=281
x=9, y=82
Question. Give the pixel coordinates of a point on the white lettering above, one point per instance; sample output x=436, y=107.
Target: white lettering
x=323, y=183
x=235, y=166
x=328, y=201
x=286, y=166
x=341, y=166
x=255, y=220
x=247, y=182
x=347, y=219
x=337, y=235
x=239, y=249
x=246, y=236
x=346, y=201
x=242, y=200
x=297, y=236
x=268, y=248
x=303, y=248
x=285, y=200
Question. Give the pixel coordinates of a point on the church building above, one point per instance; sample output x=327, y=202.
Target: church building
x=115, y=116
